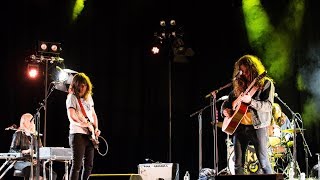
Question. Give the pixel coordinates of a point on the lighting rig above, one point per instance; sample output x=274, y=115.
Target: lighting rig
x=47, y=53
x=169, y=39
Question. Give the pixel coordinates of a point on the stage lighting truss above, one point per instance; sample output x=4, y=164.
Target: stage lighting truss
x=35, y=58
x=168, y=31
x=46, y=52
x=170, y=35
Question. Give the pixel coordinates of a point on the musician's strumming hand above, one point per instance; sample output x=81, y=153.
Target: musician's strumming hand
x=85, y=124
x=26, y=151
x=227, y=112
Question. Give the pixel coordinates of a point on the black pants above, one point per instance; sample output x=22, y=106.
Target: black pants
x=83, y=154
x=258, y=137
x=27, y=171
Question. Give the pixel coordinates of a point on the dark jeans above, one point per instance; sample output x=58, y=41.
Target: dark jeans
x=83, y=154
x=259, y=139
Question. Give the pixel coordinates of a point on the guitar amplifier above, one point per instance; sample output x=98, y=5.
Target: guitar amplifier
x=159, y=171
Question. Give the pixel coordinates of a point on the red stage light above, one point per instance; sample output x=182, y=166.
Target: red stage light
x=33, y=71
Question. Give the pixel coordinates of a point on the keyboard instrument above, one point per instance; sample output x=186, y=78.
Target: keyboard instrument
x=11, y=155
x=49, y=154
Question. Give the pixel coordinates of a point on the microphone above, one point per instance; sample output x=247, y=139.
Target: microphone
x=237, y=75
x=276, y=95
x=12, y=127
x=223, y=98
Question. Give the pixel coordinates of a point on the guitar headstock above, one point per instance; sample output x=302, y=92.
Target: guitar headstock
x=261, y=76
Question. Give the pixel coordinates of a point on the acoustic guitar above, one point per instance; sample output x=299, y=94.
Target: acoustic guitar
x=239, y=108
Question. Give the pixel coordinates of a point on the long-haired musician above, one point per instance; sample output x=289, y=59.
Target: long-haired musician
x=83, y=126
x=21, y=143
x=250, y=103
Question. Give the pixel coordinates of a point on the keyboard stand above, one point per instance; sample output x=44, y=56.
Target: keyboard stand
x=8, y=161
x=50, y=161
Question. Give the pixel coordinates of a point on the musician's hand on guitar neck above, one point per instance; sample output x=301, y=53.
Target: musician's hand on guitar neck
x=97, y=132
x=246, y=98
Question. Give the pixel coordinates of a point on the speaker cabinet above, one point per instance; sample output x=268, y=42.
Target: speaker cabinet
x=159, y=171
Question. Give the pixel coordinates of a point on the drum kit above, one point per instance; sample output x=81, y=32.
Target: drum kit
x=279, y=150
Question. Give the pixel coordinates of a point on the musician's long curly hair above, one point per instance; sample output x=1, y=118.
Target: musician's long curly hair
x=77, y=81
x=255, y=68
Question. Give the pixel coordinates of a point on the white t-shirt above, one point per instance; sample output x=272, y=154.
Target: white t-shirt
x=88, y=105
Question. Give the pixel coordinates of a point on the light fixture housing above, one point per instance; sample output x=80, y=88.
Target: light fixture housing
x=64, y=79
x=33, y=70
x=49, y=47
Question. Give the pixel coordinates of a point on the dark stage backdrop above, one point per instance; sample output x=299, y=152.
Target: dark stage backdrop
x=110, y=41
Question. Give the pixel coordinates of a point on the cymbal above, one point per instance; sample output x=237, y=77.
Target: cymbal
x=292, y=130
x=290, y=143
x=273, y=141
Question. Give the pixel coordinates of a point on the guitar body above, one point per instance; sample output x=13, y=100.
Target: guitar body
x=230, y=124
x=240, y=109
x=91, y=128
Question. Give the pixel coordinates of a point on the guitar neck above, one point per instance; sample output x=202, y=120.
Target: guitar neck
x=251, y=89
x=250, y=86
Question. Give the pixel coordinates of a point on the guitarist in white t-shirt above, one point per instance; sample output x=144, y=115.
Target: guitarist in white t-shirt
x=247, y=112
x=83, y=128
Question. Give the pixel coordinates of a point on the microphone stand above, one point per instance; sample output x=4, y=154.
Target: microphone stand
x=213, y=101
x=199, y=112
x=36, y=117
x=306, y=147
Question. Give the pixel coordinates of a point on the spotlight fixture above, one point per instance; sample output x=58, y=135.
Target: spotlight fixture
x=49, y=47
x=33, y=70
x=155, y=49
x=64, y=78
x=172, y=22
x=156, y=44
x=180, y=51
x=162, y=23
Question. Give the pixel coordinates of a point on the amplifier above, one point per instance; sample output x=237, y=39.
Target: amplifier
x=159, y=171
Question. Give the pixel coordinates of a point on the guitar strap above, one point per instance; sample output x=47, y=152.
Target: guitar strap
x=82, y=109
x=95, y=141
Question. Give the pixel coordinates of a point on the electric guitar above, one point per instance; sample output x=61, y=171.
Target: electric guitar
x=91, y=128
x=239, y=108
